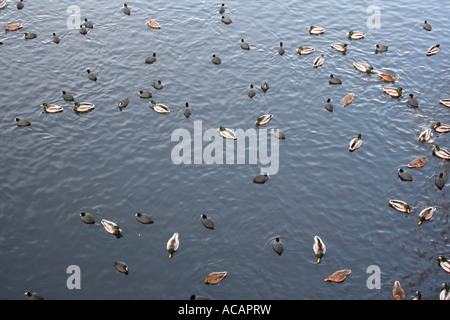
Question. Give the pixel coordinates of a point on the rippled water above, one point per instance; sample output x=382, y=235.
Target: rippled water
x=115, y=163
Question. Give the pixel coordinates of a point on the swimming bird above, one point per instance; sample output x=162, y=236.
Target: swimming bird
x=111, y=227
x=397, y=291
x=426, y=214
x=417, y=163
x=264, y=85
x=264, y=119
x=412, y=101
x=355, y=143
x=329, y=105
x=145, y=94
x=83, y=30
x=281, y=50
x=126, y=9
x=400, y=205
x=381, y=48
x=334, y=80
x=173, y=244
x=278, y=134
x=319, y=248
x=444, y=263
x=278, y=246
x=187, y=110
x=305, y=50
x=151, y=59
x=425, y=135
x=245, y=45
x=445, y=293
x=222, y=8
x=33, y=296
x=318, y=61
x=52, y=108
x=355, y=35
x=215, y=277
x=226, y=20
x=123, y=103
x=347, y=99
x=20, y=4
x=441, y=127
x=87, y=218
x=341, y=47
x=261, y=178
x=363, y=67
x=215, y=59
x=88, y=24
x=418, y=296
x=393, y=92
x=159, y=107
x=227, y=133
x=30, y=35
x=208, y=222
x=404, y=175
x=338, y=276
x=121, y=266
x=13, y=26
x=83, y=107
x=67, y=96
x=440, y=180
x=143, y=218
x=433, y=50
x=445, y=102
x=316, y=30
x=91, y=75
x=251, y=92
x=157, y=84
x=22, y=122
x=55, y=38
x=426, y=26
x=441, y=153
x=387, y=77
x=153, y=24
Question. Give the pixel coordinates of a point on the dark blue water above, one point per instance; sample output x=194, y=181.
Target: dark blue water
x=113, y=163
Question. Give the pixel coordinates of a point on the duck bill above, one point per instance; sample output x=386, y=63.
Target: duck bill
x=420, y=222
x=318, y=260
x=170, y=256
x=120, y=230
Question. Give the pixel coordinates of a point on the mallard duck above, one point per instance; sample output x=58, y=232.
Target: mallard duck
x=143, y=218
x=30, y=35
x=226, y=20
x=227, y=133
x=329, y=105
x=433, y=50
x=338, y=276
x=67, y=96
x=157, y=84
x=441, y=153
x=159, y=107
x=173, y=244
x=126, y=9
x=91, y=75
x=215, y=277
x=380, y=48
x=318, y=62
x=87, y=218
x=387, y=77
x=222, y=8
x=111, y=227
x=208, y=222
x=363, y=67
x=444, y=263
x=153, y=24
x=145, y=94
x=305, y=50
x=121, y=266
x=55, y=38
x=281, y=50
x=123, y=103
x=251, y=92
x=88, y=24
x=52, y=108
x=319, y=248
x=151, y=59
x=278, y=246
x=82, y=30
x=425, y=135
x=341, y=47
x=400, y=205
x=13, y=27
x=426, y=26
x=418, y=296
x=215, y=59
x=278, y=134
x=261, y=178
x=412, y=101
x=397, y=291
x=264, y=119
x=404, y=175
x=187, y=110
x=445, y=293
x=417, y=163
x=33, y=296
x=347, y=99
x=334, y=80
x=393, y=92
x=426, y=214
x=440, y=180
x=441, y=127
x=316, y=30
x=264, y=85
x=445, y=102
x=22, y=122
x=355, y=35
x=83, y=107
x=245, y=45
x=355, y=143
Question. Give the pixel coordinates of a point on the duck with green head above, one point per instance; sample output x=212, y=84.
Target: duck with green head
x=394, y=92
